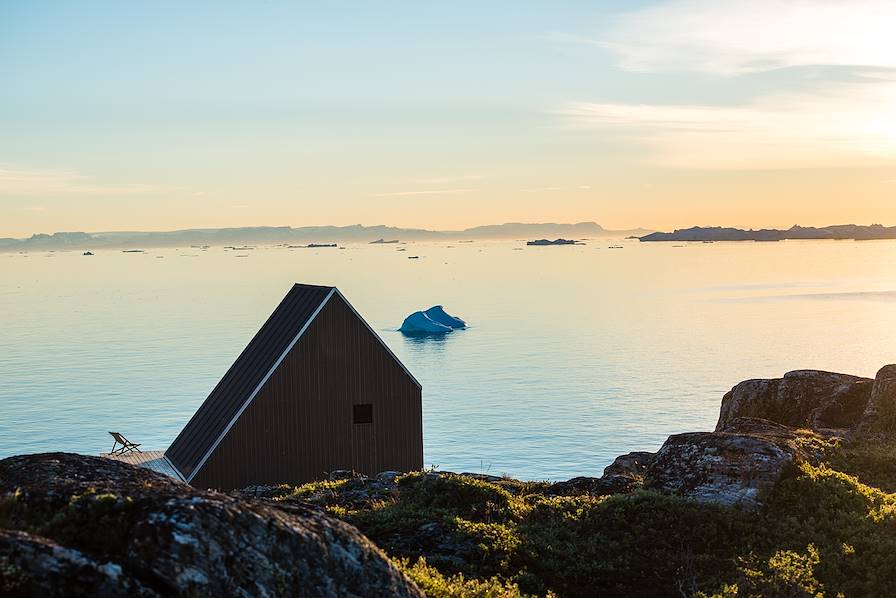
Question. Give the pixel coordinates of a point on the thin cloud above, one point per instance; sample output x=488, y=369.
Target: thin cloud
x=847, y=124
x=35, y=182
x=542, y=189
x=732, y=38
x=424, y=192
x=549, y=189
x=455, y=179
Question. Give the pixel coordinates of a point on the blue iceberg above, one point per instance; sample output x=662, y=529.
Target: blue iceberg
x=432, y=321
x=419, y=323
x=437, y=314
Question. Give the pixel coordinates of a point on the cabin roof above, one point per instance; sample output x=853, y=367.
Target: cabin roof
x=248, y=374
x=154, y=460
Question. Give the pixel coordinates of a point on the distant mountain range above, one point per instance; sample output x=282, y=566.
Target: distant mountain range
x=717, y=233
x=273, y=235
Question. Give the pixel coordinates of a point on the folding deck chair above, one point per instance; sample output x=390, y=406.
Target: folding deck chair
x=126, y=445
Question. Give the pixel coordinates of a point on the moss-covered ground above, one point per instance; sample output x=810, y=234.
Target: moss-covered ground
x=828, y=530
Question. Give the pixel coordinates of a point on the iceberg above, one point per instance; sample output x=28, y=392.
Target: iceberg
x=431, y=321
x=436, y=313
x=419, y=323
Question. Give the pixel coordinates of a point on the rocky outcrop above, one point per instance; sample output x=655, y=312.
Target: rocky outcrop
x=35, y=566
x=761, y=434
x=106, y=528
x=625, y=474
x=630, y=464
x=879, y=416
x=733, y=466
x=602, y=486
x=801, y=399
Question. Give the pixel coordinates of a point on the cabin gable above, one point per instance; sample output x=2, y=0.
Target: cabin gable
x=246, y=376
x=339, y=399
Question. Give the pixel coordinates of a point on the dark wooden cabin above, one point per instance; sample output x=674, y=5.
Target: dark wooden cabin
x=315, y=390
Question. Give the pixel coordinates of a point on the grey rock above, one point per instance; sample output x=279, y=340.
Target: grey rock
x=879, y=416
x=630, y=464
x=623, y=475
x=155, y=533
x=759, y=427
x=387, y=477
x=574, y=486
x=803, y=398
x=38, y=567
x=603, y=486
x=732, y=467
x=437, y=540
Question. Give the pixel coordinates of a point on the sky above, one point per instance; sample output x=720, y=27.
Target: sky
x=165, y=115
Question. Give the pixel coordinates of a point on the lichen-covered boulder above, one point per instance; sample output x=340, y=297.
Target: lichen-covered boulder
x=631, y=464
x=35, y=566
x=880, y=413
x=730, y=467
x=602, y=486
x=139, y=532
x=625, y=474
x=801, y=399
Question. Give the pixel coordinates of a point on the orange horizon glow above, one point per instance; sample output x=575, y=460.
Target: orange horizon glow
x=670, y=115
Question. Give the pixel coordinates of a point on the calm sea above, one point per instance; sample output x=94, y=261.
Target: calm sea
x=575, y=354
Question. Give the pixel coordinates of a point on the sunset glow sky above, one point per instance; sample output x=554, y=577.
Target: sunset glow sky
x=164, y=115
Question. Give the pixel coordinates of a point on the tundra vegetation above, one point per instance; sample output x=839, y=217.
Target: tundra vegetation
x=793, y=494
x=828, y=528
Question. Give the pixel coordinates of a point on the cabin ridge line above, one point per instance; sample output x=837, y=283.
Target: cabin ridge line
x=264, y=380
x=233, y=439
x=376, y=336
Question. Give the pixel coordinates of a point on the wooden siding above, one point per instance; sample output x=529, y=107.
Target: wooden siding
x=246, y=373
x=300, y=424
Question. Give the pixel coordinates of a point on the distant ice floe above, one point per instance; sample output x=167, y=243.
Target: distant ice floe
x=432, y=321
x=542, y=242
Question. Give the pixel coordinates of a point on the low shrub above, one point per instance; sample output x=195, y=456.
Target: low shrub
x=828, y=530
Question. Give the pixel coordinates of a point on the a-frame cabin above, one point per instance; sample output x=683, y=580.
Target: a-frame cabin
x=315, y=390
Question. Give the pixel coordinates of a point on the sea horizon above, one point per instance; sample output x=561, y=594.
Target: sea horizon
x=574, y=355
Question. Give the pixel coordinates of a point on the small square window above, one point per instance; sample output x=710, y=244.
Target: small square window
x=362, y=414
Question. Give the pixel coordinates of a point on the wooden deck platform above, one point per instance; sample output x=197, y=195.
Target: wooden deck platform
x=154, y=460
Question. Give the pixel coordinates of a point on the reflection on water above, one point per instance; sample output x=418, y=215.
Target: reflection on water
x=426, y=340
x=889, y=296
x=575, y=355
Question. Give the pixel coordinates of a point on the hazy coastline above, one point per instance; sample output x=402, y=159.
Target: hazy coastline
x=836, y=232
x=285, y=234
